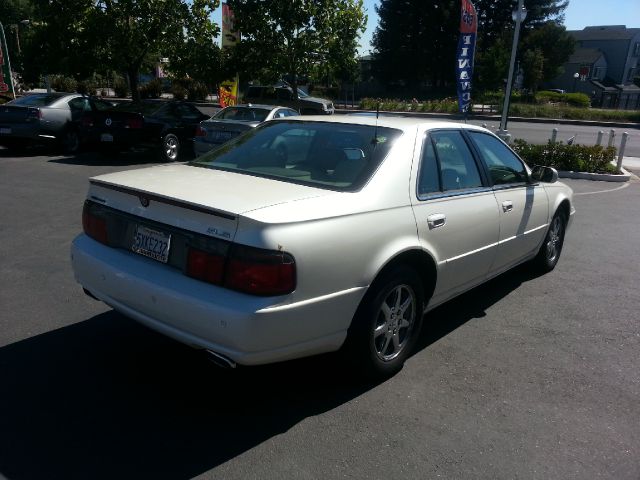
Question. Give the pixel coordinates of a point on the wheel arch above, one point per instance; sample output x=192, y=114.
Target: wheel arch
x=421, y=261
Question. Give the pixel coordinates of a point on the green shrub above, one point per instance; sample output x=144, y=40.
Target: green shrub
x=86, y=87
x=60, y=83
x=580, y=100
x=152, y=89
x=197, y=91
x=178, y=91
x=577, y=158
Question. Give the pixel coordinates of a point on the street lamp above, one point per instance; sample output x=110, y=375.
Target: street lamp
x=518, y=15
x=575, y=79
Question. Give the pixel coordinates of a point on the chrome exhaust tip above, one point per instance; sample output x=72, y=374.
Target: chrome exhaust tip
x=220, y=360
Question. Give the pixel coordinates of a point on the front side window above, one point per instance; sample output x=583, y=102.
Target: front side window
x=504, y=166
x=337, y=156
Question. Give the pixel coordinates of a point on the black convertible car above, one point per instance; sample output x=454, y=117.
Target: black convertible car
x=168, y=127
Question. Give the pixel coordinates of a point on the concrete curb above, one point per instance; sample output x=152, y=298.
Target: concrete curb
x=496, y=118
x=625, y=176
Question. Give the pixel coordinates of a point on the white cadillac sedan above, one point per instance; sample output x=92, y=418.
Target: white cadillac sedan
x=310, y=235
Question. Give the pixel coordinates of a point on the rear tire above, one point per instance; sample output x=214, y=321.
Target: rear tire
x=170, y=148
x=387, y=323
x=551, y=248
x=70, y=141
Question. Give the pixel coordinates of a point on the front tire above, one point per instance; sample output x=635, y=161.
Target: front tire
x=549, y=252
x=170, y=148
x=387, y=323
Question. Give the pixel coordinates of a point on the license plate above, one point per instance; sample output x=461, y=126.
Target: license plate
x=106, y=137
x=151, y=243
x=5, y=131
x=222, y=136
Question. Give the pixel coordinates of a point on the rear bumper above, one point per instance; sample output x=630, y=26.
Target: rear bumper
x=200, y=147
x=24, y=133
x=249, y=330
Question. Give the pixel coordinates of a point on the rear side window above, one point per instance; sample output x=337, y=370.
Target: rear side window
x=429, y=178
x=504, y=166
x=458, y=169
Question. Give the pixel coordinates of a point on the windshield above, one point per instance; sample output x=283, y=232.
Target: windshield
x=337, y=156
x=242, y=114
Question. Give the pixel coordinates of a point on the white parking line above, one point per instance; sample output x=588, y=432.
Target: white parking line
x=602, y=191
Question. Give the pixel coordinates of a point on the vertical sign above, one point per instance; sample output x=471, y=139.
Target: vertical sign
x=465, y=53
x=228, y=90
x=229, y=35
x=6, y=82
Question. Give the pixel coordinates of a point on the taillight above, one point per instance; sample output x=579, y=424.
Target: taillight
x=205, y=266
x=260, y=272
x=201, y=132
x=87, y=121
x=35, y=113
x=246, y=269
x=93, y=225
x=134, y=123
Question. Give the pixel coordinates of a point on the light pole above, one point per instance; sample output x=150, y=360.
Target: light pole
x=518, y=15
x=575, y=79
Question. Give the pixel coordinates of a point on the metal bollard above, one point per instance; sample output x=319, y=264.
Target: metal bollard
x=554, y=134
x=623, y=144
x=612, y=136
x=599, y=140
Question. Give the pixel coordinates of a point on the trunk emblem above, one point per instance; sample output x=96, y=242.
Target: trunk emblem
x=108, y=122
x=144, y=201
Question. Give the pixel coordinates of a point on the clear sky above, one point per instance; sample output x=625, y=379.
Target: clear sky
x=579, y=14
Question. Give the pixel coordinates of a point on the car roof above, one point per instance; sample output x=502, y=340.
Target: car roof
x=402, y=123
x=258, y=105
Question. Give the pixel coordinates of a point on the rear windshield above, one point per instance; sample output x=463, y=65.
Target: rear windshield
x=243, y=114
x=145, y=108
x=329, y=155
x=36, y=100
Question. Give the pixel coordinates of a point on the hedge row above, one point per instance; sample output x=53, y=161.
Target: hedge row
x=446, y=105
x=577, y=158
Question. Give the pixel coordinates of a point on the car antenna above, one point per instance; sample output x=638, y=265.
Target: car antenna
x=375, y=132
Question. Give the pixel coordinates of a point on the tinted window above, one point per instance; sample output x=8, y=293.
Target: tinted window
x=80, y=104
x=187, y=112
x=428, y=178
x=457, y=166
x=101, y=105
x=145, y=108
x=36, y=100
x=329, y=155
x=243, y=114
x=504, y=166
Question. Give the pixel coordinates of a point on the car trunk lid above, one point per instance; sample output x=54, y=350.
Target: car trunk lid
x=14, y=114
x=199, y=199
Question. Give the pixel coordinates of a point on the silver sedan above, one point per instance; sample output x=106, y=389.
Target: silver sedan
x=44, y=118
x=315, y=234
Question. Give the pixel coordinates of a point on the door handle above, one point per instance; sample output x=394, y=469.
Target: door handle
x=507, y=206
x=436, y=220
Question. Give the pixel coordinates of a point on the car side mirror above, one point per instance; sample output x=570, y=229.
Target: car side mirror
x=541, y=173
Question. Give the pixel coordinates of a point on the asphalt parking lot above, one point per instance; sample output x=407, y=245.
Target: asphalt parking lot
x=525, y=377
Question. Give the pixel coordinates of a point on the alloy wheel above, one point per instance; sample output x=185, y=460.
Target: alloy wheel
x=394, y=322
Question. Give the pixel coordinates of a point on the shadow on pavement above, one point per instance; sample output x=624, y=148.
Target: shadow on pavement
x=107, y=398
x=107, y=159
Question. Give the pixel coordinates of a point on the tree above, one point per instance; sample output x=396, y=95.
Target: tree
x=288, y=37
x=555, y=45
x=80, y=37
x=415, y=40
x=533, y=65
